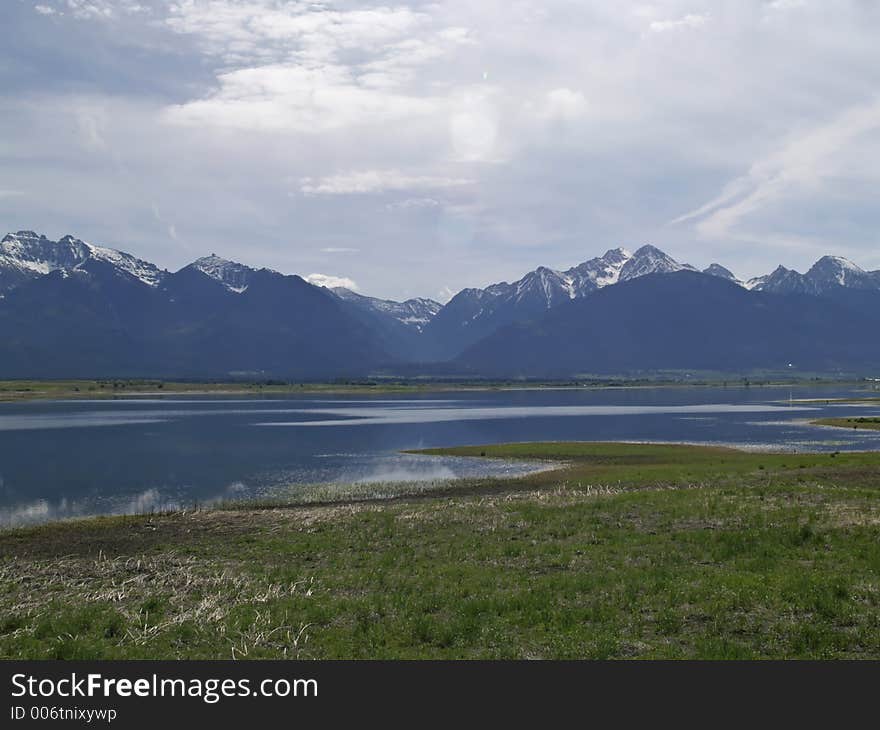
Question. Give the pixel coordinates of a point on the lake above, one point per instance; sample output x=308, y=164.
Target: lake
x=62, y=459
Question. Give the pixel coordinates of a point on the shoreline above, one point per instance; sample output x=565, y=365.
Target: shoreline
x=856, y=423
x=12, y=391
x=629, y=550
x=329, y=495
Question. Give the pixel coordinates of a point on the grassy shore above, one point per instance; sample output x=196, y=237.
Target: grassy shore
x=872, y=424
x=21, y=390
x=624, y=551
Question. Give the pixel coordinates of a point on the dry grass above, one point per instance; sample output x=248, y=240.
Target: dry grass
x=181, y=590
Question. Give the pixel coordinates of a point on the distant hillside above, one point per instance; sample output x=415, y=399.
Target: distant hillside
x=686, y=320
x=71, y=308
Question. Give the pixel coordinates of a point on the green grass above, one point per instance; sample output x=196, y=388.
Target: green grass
x=626, y=551
x=872, y=424
x=17, y=390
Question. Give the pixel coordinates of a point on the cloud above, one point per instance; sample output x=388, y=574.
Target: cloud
x=563, y=104
x=301, y=67
x=413, y=204
x=339, y=250
x=376, y=181
x=460, y=143
x=92, y=9
x=688, y=22
x=786, y=4
x=296, y=98
x=10, y=193
x=800, y=163
x=445, y=294
x=91, y=121
x=330, y=281
x=475, y=125
x=237, y=30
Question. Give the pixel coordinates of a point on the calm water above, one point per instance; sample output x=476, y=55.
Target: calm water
x=69, y=458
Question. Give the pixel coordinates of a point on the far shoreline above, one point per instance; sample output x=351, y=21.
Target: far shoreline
x=114, y=388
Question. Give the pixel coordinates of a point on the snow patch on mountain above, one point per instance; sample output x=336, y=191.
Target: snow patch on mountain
x=722, y=273
x=650, y=260
x=826, y=275
x=414, y=313
x=233, y=275
x=25, y=255
x=835, y=271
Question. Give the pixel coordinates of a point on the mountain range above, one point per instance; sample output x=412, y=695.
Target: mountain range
x=73, y=309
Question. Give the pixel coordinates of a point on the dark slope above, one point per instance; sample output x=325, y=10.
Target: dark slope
x=99, y=322
x=683, y=320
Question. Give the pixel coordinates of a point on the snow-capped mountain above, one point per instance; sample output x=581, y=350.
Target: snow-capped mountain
x=722, y=273
x=414, y=313
x=71, y=307
x=26, y=255
x=685, y=320
x=474, y=313
x=553, y=287
x=650, y=260
x=828, y=274
x=780, y=281
x=233, y=275
x=598, y=272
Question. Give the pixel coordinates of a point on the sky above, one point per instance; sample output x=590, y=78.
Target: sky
x=417, y=148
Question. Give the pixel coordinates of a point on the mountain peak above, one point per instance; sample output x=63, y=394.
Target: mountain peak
x=23, y=234
x=648, y=250
x=234, y=276
x=649, y=259
x=212, y=258
x=617, y=254
x=721, y=272
x=780, y=281
x=25, y=255
x=837, y=264
x=831, y=272
x=414, y=313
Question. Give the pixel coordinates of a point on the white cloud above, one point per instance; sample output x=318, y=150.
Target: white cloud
x=786, y=4
x=97, y=9
x=690, y=21
x=297, y=99
x=331, y=282
x=308, y=68
x=334, y=249
x=413, y=204
x=300, y=126
x=445, y=294
x=563, y=104
x=10, y=193
x=91, y=120
x=799, y=163
x=474, y=126
x=239, y=30
x=376, y=181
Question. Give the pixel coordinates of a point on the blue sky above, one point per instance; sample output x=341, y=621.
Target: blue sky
x=418, y=148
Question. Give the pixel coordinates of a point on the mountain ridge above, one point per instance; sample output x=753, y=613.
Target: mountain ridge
x=68, y=305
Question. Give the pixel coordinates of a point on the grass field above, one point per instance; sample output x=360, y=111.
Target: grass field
x=872, y=424
x=624, y=551
x=17, y=390
x=20, y=390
